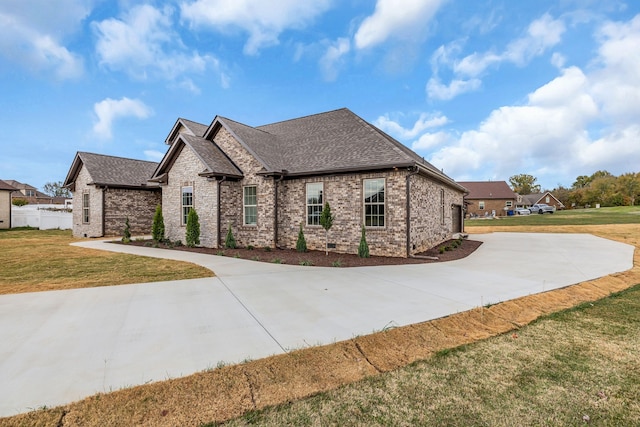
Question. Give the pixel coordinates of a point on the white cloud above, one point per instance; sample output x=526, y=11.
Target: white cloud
x=108, y=110
x=437, y=90
x=429, y=141
x=424, y=122
x=264, y=21
x=542, y=34
x=391, y=19
x=575, y=124
x=32, y=34
x=143, y=42
x=333, y=57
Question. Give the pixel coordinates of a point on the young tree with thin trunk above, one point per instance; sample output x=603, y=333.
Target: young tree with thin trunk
x=326, y=221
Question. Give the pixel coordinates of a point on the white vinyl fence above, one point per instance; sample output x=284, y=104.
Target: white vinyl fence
x=44, y=217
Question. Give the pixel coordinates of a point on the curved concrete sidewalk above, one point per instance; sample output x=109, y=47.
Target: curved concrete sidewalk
x=61, y=346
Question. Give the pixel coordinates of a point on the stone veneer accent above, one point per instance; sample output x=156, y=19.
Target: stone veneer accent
x=184, y=172
x=137, y=205
x=94, y=227
x=5, y=209
x=344, y=192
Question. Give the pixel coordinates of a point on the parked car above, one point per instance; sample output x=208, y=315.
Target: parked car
x=542, y=208
x=522, y=211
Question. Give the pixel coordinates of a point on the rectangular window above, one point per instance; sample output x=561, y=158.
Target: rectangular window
x=85, y=208
x=442, y=206
x=250, y=205
x=508, y=203
x=374, y=202
x=481, y=205
x=187, y=202
x=548, y=199
x=314, y=203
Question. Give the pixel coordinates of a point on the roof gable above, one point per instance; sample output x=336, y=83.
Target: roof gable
x=488, y=190
x=185, y=126
x=111, y=171
x=5, y=186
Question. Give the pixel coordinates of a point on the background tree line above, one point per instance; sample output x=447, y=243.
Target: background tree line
x=599, y=188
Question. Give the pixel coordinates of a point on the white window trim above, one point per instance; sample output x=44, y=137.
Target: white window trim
x=183, y=214
x=245, y=206
x=384, y=203
x=481, y=205
x=509, y=203
x=316, y=205
x=86, y=218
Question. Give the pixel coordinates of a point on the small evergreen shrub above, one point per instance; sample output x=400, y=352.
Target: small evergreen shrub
x=126, y=238
x=267, y=248
x=157, y=228
x=301, y=244
x=441, y=249
x=306, y=263
x=363, y=248
x=336, y=263
x=326, y=221
x=193, y=229
x=230, y=241
x=250, y=247
x=277, y=261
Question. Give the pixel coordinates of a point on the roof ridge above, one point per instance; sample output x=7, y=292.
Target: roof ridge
x=304, y=117
x=115, y=157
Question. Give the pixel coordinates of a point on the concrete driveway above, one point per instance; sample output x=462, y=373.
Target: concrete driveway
x=61, y=346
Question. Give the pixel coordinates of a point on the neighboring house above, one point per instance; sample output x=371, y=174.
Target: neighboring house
x=5, y=204
x=527, y=200
x=32, y=195
x=265, y=181
x=107, y=190
x=489, y=198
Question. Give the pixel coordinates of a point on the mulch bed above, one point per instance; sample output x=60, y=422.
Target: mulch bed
x=319, y=259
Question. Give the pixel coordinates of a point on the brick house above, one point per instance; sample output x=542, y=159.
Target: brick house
x=107, y=190
x=5, y=204
x=265, y=181
x=536, y=198
x=32, y=196
x=488, y=198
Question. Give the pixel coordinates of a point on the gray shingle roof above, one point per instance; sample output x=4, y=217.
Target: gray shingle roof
x=112, y=171
x=334, y=141
x=5, y=186
x=198, y=129
x=488, y=190
x=212, y=156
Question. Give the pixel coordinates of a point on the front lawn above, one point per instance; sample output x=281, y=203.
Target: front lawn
x=35, y=260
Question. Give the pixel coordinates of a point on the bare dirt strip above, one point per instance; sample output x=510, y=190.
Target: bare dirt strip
x=228, y=392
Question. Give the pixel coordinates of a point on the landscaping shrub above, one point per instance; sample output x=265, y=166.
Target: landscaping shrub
x=157, y=229
x=230, y=241
x=126, y=238
x=363, y=248
x=193, y=229
x=301, y=244
x=19, y=202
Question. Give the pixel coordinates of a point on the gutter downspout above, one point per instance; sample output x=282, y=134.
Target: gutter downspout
x=275, y=208
x=408, y=207
x=104, y=205
x=219, y=220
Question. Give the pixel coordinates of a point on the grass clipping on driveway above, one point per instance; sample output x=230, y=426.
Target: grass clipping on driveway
x=557, y=371
x=35, y=260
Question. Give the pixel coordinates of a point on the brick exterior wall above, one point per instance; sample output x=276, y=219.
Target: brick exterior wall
x=431, y=213
x=344, y=192
x=137, y=205
x=184, y=172
x=94, y=227
x=490, y=205
x=5, y=209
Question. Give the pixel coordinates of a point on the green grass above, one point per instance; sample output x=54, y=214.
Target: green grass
x=615, y=215
x=582, y=361
x=39, y=260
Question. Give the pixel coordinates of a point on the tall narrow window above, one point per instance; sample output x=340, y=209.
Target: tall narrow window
x=374, y=212
x=187, y=202
x=85, y=208
x=481, y=205
x=250, y=205
x=314, y=202
x=442, y=206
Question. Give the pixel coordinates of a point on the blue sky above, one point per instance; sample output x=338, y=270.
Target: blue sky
x=484, y=89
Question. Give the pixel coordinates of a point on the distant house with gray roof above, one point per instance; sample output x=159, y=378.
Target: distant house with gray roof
x=264, y=182
x=489, y=198
x=107, y=190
